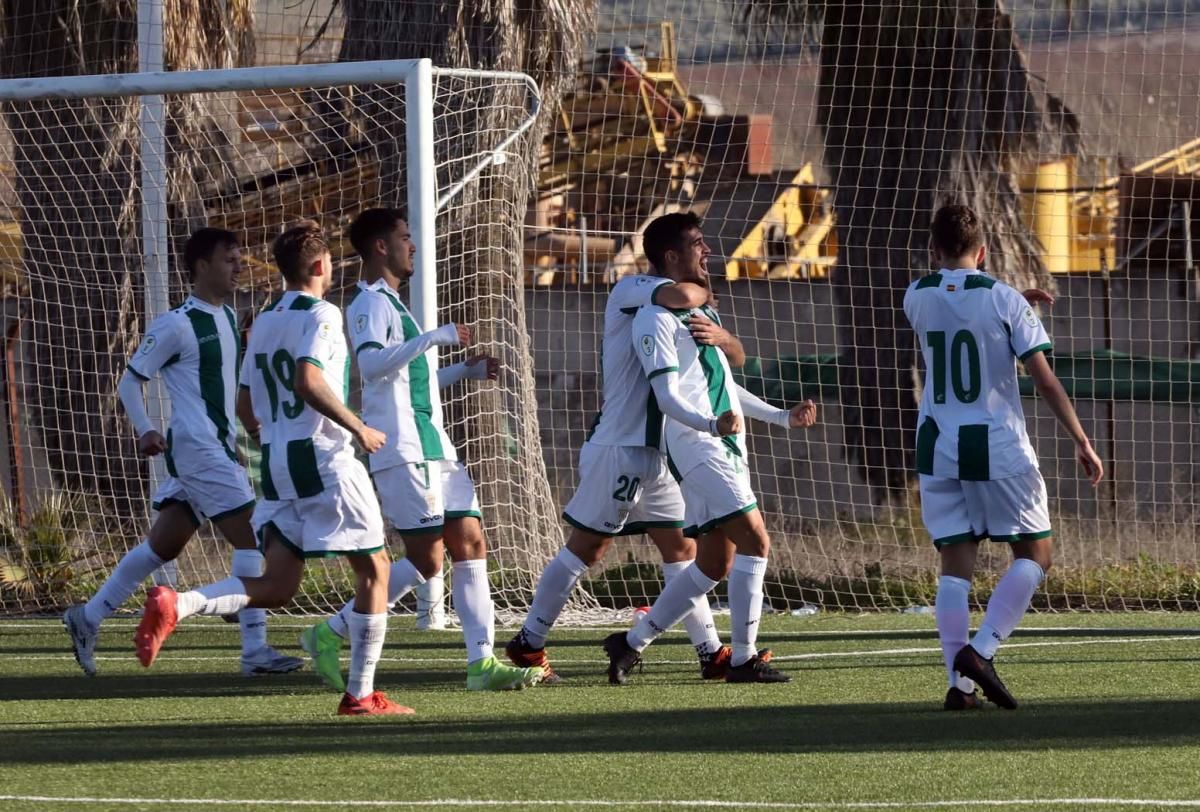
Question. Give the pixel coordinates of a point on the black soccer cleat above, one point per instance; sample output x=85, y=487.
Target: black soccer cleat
x=755, y=670
x=621, y=658
x=957, y=700
x=972, y=665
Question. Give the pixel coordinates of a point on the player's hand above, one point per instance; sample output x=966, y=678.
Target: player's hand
x=803, y=415
x=492, y=370
x=151, y=444
x=729, y=423
x=1036, y=296
x=707, y=331
x=464, y=334
x=370, y=439
x=1090, y=462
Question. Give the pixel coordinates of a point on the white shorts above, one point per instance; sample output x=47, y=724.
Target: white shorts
x=214, y=493
x=418, y=497
x=341, y=520
x=714, y=492
x=623, y=491
x=1009, y=509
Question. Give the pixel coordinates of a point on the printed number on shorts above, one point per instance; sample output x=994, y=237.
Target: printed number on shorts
x=282, y=367
x=626, y=488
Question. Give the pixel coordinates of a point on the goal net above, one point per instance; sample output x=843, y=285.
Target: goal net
x=253, y=151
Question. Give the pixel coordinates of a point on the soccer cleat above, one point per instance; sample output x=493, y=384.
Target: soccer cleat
x=489, y=674
x=158, y=621
x=716, y=665
x=324, y=648
x=269, y=661
x=83, y=638
x=957, y=700
x=621, y=658
x=524, y=655
x=974, y=666
x=374, y=704
x=755, y=670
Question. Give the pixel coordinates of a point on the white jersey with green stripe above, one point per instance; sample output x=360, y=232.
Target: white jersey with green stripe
x=629, y=414
x=195, y=348
x=405, y=404
x=664, y=344
x=303, y=452
x=972, y=329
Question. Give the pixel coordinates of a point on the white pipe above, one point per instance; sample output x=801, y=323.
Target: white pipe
x=422, y=197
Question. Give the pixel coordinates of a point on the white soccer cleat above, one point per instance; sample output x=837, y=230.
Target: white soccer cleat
x=83, y=638
x=269, y=661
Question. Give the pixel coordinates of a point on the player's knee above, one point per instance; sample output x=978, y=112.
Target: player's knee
x=587, y=548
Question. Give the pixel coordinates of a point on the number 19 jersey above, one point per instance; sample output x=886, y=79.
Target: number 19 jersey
x=971, y=329
x=302, y=450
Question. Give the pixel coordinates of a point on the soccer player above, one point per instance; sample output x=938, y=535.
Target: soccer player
x=706, y=453
x=317, y=497
x=427, y=494
x=978, y=472
x=195, y=349
x=624, y=485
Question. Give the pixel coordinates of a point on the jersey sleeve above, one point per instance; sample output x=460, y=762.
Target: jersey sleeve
x=633, y=293
x=370, y=322
x=160, y=346
x=319, y=342
x=1026, y=333
x=654, y=341
x=247, y=367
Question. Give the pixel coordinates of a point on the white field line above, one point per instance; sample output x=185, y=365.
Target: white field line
x=816, y=655
x=971, y=803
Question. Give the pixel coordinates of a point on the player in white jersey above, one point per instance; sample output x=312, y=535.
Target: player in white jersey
x=706, y=453
x=194, y=348
x=317, y=497
x=624, y=485
x=978, y=472
x=427, y=494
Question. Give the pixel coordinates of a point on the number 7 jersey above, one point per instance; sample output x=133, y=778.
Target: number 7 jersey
x=972, y=329
x=302, y=450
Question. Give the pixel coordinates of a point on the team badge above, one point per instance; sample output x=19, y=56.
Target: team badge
x=148, y=345
x=324, y=330
x=360, y=323
x=648, y=345
x=1030, y=319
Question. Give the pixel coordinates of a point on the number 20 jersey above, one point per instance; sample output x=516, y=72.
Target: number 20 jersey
x=302, y=450
x=972, y=329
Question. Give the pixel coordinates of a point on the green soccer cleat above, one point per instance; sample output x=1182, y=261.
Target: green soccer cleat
x=323, y=647
x=490, y=674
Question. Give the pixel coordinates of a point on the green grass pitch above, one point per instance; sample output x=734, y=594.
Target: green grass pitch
x=1110, y=710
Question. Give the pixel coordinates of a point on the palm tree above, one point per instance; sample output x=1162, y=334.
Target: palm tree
x=76, y=165
x=921, y=102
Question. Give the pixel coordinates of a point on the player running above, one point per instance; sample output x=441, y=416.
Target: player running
x=317, y=497
x=427, y=494
x=706, y=453
x=195, y=349
x=978, y=472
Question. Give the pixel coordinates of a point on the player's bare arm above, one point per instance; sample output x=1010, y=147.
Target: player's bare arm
x=707, y=331
x=245, y=413
x=490, y=370
x=1037, y=296
x=312, y=389
x=681, y=296
x=1051, y=390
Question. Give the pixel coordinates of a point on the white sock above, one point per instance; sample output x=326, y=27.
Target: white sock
x=366, y=647
x=953, y=625
x=473, y=603
x=431, y=598
x=1008, y=605
x=745, y=605
x=402, y=577
x=133, y=568
x=674, y=602
x=222, y=598
x=253, y=622
x=699, y=622
x=553, y=590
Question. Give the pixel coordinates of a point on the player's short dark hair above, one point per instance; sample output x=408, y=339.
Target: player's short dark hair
x=298, y=248
x=956, y=230
x=203, y=244
x=372, y=225
x=666, y=234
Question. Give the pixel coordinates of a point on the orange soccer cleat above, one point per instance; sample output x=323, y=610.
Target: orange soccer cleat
x=522, y=655
x=158, y=621
x=373, y=704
